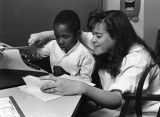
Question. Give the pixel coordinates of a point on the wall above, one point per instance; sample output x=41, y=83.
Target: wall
x=20, y=18
x=151, y=21
x=115, y=5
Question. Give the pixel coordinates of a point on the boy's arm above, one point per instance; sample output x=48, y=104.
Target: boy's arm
x=29, y=54
x=36, y=53
x=37, y=38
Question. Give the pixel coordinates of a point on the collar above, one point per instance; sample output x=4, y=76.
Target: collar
x=73, y=48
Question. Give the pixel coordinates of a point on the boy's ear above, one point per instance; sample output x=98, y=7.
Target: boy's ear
x=78, y=32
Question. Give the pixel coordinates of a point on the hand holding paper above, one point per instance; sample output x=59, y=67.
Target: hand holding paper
x=53, y=87
x=65, y=85
x=33, y=85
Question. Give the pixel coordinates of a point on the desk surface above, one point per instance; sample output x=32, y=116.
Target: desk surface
x=34, y=107
x=29, y=104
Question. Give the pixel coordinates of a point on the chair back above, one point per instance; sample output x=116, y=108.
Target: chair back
x=139, y=96
x=138, y=103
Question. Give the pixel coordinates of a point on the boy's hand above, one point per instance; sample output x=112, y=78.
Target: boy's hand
x=37, y=38
x=58, y=71
x=34, y=39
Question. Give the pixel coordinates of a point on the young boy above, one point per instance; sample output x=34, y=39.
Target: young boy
x=67, y=54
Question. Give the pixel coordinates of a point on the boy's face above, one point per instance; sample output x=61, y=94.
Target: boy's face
x=65, y=38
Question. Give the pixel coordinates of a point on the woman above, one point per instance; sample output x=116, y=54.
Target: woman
x=121, y=57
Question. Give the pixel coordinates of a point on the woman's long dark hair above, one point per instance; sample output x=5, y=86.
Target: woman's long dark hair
x=120, y=29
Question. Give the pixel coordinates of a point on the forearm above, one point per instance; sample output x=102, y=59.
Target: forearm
x=38, y=38
x=110, y=100
x=47, y=34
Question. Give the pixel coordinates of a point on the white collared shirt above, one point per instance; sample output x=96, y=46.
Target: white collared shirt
x=78, y=61
x=131, y=71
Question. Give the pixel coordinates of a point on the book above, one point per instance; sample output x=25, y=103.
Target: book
x=9, y=107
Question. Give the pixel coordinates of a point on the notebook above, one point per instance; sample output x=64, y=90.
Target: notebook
x=9, y=107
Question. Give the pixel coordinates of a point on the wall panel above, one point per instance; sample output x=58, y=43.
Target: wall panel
x=20, y=18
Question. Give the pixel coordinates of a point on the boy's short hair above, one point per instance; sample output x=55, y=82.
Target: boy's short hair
x=68, y=17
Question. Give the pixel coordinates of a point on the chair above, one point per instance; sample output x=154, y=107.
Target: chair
x=157, y=44
x=139, y=96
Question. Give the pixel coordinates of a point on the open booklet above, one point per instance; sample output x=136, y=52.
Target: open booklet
x=33, y=85
x=9, y=107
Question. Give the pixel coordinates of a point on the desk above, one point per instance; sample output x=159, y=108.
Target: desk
x=30, y=105
x=34, y=107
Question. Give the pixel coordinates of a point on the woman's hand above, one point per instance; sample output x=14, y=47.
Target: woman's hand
x=62, y=86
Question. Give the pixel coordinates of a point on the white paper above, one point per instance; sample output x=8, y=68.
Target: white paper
x=12, y=60
x=33, y=85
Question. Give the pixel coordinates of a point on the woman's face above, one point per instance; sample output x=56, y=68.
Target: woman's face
x=102, y=42
x=64, y=37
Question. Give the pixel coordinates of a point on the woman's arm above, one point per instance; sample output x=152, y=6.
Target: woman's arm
x=62, y=86
x=107, y=99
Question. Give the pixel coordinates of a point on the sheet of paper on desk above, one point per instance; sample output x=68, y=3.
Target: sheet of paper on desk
x=33, y=85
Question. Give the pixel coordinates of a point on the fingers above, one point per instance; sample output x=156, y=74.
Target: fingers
x=33, y=39
x=53, y=78
x=50, y=82
x=47, y=86
x=48, y=77
x=53, y=91
x=50, y=90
